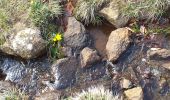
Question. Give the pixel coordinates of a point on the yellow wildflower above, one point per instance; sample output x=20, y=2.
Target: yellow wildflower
x=32, y=1
x=57, y=37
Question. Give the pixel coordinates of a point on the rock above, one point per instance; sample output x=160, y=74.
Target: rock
x=27, y=44
x=134, y=93
x=64, y=71
x=67, y=51
x=130, y=75
x=4, y=86
x=112, y=13
x=166, y=65
x=117, y=43
x=49, y=96
x=158, y=54
x=75, y=35
x=89, y=56
x=126, y=83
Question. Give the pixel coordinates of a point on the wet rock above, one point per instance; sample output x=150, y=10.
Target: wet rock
x=89, y=56
x=13, y=69
x=112, y=13
x=158, y=54
x=130, y=75
x=49, y=96
x=27, y=44
x=126, y=83
x=134, y=93
x=64, y=71
x=117, y=43
x=28, y=76
x=75, y=35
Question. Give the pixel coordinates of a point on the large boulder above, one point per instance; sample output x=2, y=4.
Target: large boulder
x=88, y=56
x=117, y=43
x=112, y=13
x=27, y=44
x=75, y=35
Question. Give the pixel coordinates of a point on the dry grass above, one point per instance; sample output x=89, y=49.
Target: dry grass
x=11, y=13
x=151, y=9
x=96, y=93
x=87, y=10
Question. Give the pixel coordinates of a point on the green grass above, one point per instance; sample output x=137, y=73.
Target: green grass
x=11, y=12
x=153, y=8
x=44, y=16
x=87, y=11
x=14, y=94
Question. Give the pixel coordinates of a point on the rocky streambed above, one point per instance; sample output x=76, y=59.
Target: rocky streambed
x=133, y=66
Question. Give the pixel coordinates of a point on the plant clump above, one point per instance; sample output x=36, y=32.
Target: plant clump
x=96, y=93
x=152, y=9
x=13, y=94
x=87, y=11
x=43, y=15
x=12, y=11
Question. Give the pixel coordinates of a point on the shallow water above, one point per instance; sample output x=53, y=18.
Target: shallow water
x=34, y=76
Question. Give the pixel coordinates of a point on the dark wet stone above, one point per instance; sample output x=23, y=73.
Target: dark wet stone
x=64, y=71
x=27, y=76
x=95, y=72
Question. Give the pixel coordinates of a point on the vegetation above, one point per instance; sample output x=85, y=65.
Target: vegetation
x=14, y=94
x=55, y=46
x=12, y=11
x=152, y=8
x=96, y=93
x=44, y=16
x=44, y=13
x=87, y=11
x=150, y=29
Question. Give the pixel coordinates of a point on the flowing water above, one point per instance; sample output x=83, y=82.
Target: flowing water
x=34, y=76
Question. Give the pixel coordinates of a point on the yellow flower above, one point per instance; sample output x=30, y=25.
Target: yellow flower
x=57, y=37
x=32, y=1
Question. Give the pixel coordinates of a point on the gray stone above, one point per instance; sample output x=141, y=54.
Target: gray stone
x=75, y=35
x=27, y=44
x=88, y=56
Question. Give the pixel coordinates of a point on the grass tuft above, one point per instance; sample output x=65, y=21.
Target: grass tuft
x=152, y=8
x=11, y=11
x=87, y=11
x=96, y=93
x=14, y=94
